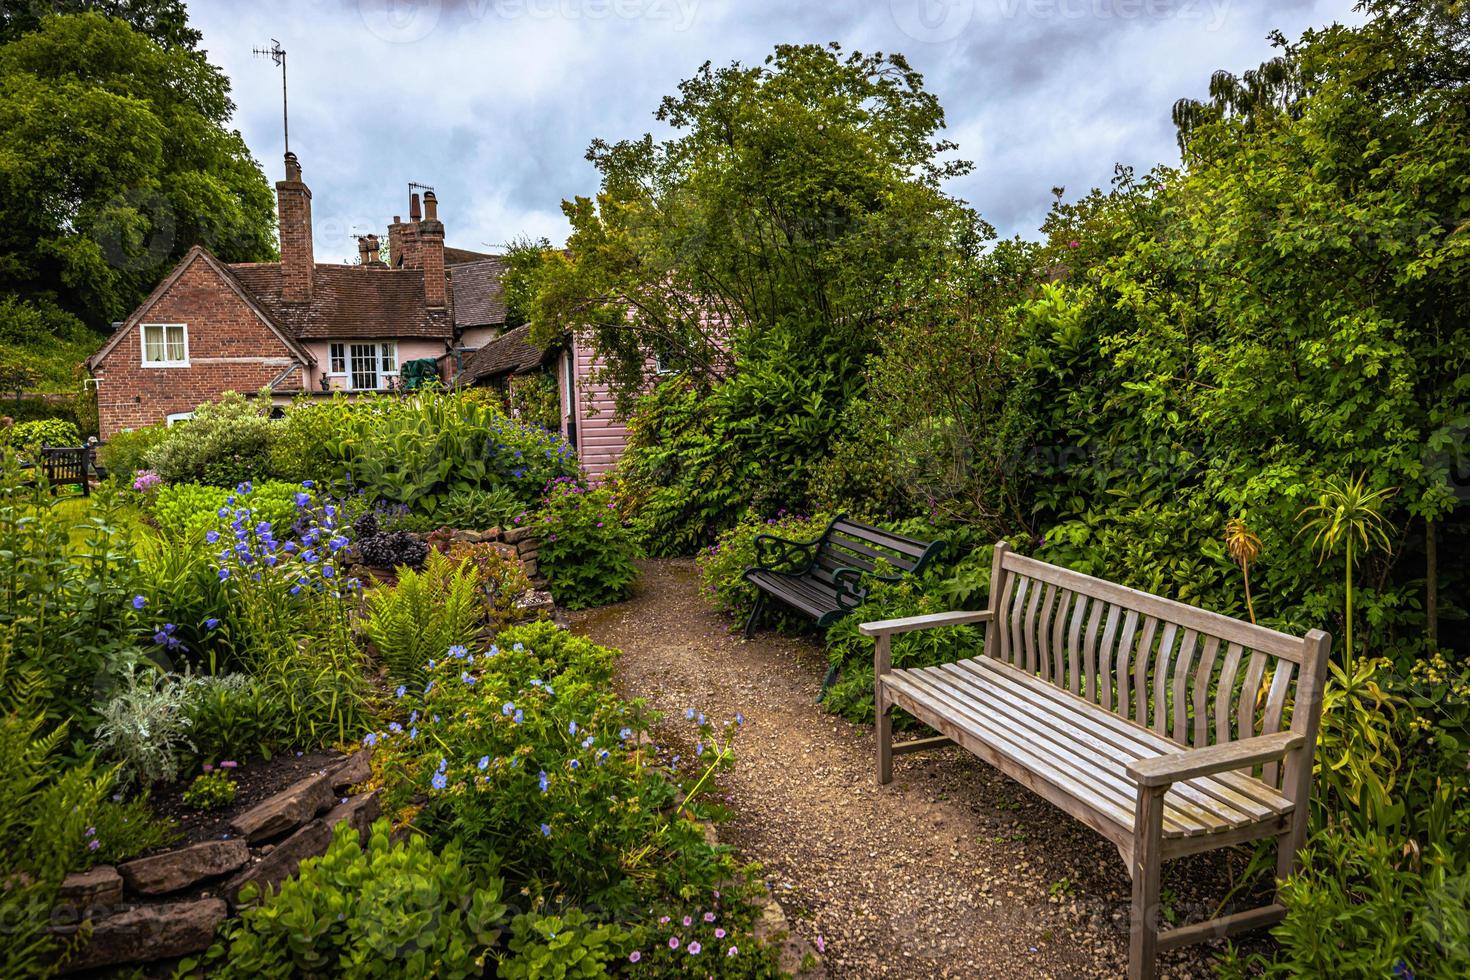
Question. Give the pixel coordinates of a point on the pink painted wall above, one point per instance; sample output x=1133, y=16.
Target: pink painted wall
x=601, y=434
x=409, y=349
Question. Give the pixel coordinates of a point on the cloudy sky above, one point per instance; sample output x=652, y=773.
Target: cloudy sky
x=493, y=102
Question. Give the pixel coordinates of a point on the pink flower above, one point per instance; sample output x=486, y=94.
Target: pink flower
x=228, y=764
x=1073, y=244
x=634, y=956
x=709, y=917
x=733, y=950
x=694, y=949
x=673, y=942
x=821, y=944
x=663, y=920
x=719, y=934
x=688, y=921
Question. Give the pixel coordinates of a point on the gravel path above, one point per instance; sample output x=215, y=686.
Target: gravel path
x=952, y=870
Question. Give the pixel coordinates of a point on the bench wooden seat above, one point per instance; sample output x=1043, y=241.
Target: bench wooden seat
x=1167, y=729
x=824, y=578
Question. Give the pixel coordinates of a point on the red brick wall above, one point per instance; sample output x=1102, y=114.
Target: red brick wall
x=230, y=349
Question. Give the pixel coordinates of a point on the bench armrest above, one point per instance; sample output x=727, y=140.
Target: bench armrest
x=1165, y=770
x=888, y=627
x=789, y=550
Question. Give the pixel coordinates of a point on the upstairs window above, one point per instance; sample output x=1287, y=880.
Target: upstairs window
x=165, y=344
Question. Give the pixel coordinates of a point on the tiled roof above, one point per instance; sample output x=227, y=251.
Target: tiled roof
x=479, y=299
x=348, y=301
x=457, y=256
x=510, y=353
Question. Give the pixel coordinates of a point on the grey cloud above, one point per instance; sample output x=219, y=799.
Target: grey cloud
x=494, y=101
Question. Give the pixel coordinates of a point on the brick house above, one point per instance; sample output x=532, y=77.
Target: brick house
x=292, y=327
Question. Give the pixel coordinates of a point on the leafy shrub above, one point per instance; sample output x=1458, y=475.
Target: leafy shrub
x=184, y=509
x=501, y=579
x=709, y=942
x=298, y=450
x=226, y=442
x=418, y=449
x=851, y=653
x=29, y=437
x=234, y=716
x=585, y=552
x=425, y=614
x=387, y=910
x=145, y=727
x=477, y=509
x=680, y=483
x=721, y=564
x=122, y=454
x=526, y=754
x=558, y=947
x=210, y=791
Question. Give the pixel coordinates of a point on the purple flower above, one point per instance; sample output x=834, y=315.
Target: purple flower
x=719, y=934
x=688, y=921
x=211, y=537
x=694, y=948
x=733, y=951
x=543, y=780
x=634, y=956
x=673, y=942
x=93, y=844
x=709, y=917
x=139, y=602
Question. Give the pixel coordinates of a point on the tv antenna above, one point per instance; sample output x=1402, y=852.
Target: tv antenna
x=414, y=185
x=277, y=54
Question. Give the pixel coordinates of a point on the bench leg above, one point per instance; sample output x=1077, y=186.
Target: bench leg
x=1143, y=922
x=885, y=748
x=755, y=614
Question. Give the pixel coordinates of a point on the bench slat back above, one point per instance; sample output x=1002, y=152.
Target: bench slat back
x=64, y=464
x=1194, y=676
x=853, y=544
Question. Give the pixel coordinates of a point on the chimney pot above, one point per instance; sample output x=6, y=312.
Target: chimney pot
x=414, y=214
x=431, y=206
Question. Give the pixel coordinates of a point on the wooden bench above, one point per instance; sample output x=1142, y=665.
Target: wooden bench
x=65, y=465
x=823, y=578
x=1167, y=729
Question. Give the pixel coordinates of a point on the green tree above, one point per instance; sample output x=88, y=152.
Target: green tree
x=165, y=21
x=795, y=197
x=115, y=159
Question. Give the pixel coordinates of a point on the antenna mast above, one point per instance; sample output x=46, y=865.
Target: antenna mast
x=278, y=54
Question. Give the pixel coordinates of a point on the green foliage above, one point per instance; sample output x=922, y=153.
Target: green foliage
x=145, y=728
x=236, y=716
x=721, y=564
x=712, y=942
x=122, y=454
x=226, y=442
x=852, y=653
x=558, y=947
x=1348, y=515
x=189, y=510
x=41, y=348
x=29, y=437
x=210, y=791
x=477, y=508
x=298, y=450
x=119, y=157
x=536, y=399
x=524, y=752
x=384, y=910
x=679, y=483
x=585, y=552
x=425, y=614
x=418, y=449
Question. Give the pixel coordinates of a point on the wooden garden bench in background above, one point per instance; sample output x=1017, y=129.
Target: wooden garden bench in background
x=63, y=466
x=823, y=578
x=1167, y=729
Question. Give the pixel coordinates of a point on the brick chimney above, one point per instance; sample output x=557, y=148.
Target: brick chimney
x=431, y=252
x=293, y=203
x=370, y=250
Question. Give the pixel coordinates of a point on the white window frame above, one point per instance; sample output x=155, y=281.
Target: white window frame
x=384, y=353
x=336, y=353
x=170, y=420
x=143, y=329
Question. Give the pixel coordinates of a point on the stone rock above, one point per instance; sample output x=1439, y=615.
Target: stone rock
x=534, y=602
x=149, y=932
x=516, y=535
x=356, y=770
x=174, y=871
x=359, y=811
x=532, y=567
x=287, y=810
x=282, y=862
x=100, y=886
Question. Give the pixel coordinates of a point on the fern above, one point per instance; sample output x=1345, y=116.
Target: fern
x=425, y=614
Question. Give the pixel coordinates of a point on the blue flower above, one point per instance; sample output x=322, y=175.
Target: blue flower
x=439, y=780
x=224, y=573
x=625, y=734
x=211, y=537
x=739, y=718
x=543, y=781
x=689, y=714
x=518, y=647
x=223, y=512
x=545, y=830
x=303, y=499
x=571, y=728
x=398, y=693
x=370, y=739
x=443, y=763
x=393, y=726
x=602, y=757
x=457, y=651
x=211, y=623
x=507, y=708
x=413, y=733
x=139, y=602
x=575, y=764
x=466, y=678
x=308, y=484
x=519, y=716
x=484, y=762
x=328, y=571
x=295, y=590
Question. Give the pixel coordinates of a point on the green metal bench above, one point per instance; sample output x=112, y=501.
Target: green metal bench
x=825, y=578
